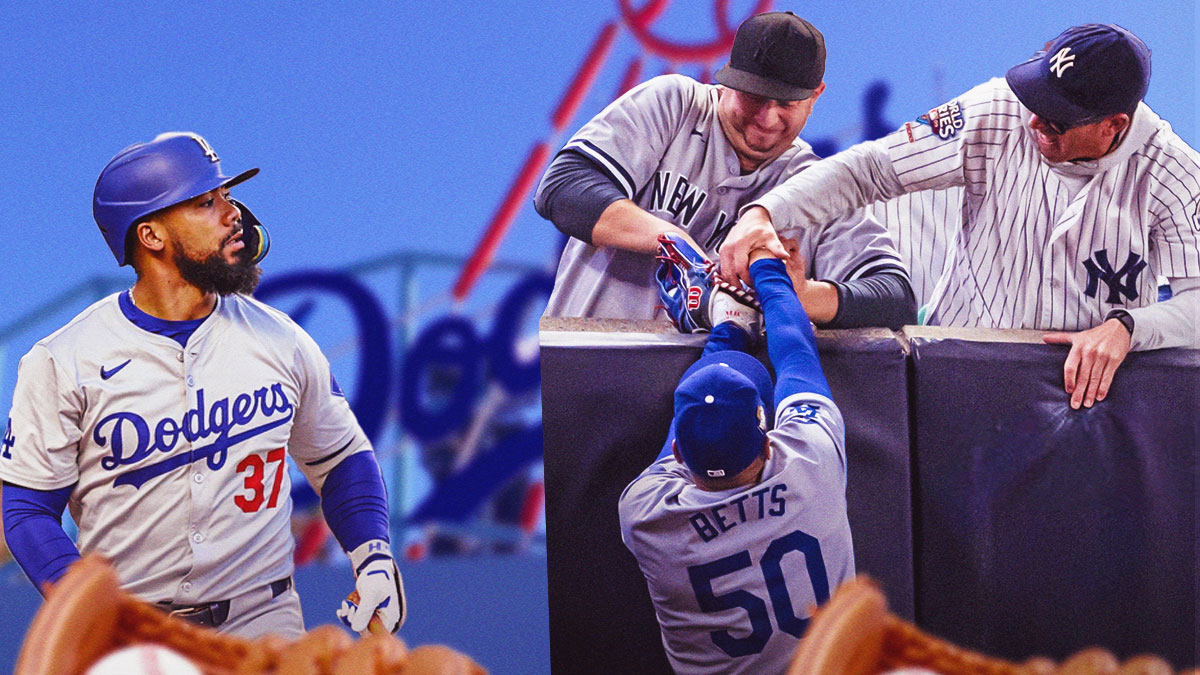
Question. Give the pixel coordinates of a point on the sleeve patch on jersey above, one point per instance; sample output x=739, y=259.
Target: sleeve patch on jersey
x=908, y=130
x=945, y=120
x=804, y=413
x=333, y=386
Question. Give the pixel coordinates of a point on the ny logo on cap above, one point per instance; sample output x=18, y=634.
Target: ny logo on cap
x=212, y=154
x=1061, y=61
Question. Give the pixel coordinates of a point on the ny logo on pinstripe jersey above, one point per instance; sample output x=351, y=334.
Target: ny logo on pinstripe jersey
x=1061, y=61
x=1119, y=282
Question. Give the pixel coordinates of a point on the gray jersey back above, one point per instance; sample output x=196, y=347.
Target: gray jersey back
x=1051, y=246
x=662, y=145
x=732, y=574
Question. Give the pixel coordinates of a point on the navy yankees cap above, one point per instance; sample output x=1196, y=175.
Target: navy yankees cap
x=721, y=413
x=1085, y=73
x=775, y=55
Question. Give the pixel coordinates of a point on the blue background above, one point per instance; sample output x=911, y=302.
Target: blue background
x=399, y=126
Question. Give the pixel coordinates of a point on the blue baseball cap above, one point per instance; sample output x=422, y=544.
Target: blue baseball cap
x=722, y=413
x=1085, y=73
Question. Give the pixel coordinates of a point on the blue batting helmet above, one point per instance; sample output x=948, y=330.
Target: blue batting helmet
x=147, y=177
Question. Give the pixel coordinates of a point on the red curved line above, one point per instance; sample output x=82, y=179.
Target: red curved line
x=649, y=13
x=584, y=78
x=633, y=73
x=513, y=201
x=677, y=51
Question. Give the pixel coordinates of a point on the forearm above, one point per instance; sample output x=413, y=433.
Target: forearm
x=884, y=299
x=833, y=188
x=627, y=226
x=354, y=501
x=34, y=533
x=1171, y=323
x=791, y=344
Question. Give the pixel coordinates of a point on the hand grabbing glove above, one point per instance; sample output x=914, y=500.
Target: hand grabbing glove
x=378, y=590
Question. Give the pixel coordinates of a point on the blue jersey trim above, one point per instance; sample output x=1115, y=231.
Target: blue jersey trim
x=178, y=331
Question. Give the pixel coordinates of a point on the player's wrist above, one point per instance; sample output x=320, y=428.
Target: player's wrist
x=1123, y=317
x=368, y=552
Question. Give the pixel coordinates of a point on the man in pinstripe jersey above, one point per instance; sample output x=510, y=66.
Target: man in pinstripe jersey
x=1076, y=198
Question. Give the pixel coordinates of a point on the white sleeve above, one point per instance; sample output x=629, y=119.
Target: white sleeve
x=325, y=431
x=1171, y=323
x=627, y=139
x=844, y=182
x=1175, y=200
x=41, y=442
x=933, y=152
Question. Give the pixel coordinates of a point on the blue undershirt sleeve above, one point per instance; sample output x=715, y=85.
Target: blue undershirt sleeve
x=354, y=501
x=791, y=343
x=34, y=532
x=573, y=193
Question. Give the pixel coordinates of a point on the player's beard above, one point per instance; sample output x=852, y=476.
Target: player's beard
x=216, y=275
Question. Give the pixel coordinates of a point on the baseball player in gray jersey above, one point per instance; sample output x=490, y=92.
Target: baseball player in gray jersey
x=675, y=155
x=737, y=529
x=1077, y=197
x=163, y=416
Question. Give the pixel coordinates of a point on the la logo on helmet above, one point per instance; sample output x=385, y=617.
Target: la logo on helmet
x=208, y=150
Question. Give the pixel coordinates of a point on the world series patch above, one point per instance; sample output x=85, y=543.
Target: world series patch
x=945, y=120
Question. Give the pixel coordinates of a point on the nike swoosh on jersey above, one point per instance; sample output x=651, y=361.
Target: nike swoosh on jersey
x=105, y=373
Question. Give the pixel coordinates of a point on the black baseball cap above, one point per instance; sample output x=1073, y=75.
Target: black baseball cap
x=1087, y=72
x=776, y=55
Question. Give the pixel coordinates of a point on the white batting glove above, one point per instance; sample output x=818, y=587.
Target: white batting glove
x=379, y=590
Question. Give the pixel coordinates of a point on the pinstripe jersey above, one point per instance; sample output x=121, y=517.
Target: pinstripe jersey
x=733, y=573
x=921, y=224
x=1043, y=246
x=662, y=145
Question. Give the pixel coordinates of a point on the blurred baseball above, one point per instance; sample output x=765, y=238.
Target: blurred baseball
x=143, y=660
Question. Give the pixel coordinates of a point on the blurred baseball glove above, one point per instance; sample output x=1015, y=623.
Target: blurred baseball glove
x=694, y=296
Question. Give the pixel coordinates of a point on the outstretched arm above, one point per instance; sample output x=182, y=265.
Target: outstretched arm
x=355, y=506
x=791, y=343
x=846, y=181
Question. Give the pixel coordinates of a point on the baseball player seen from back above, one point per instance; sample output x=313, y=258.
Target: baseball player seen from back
x=673, y=155
x=1076, y=198
x=738, y=528
x=164, y=415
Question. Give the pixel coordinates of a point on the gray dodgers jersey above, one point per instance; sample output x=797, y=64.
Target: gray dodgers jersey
x=662, y=145
x=178, y=454
x=1047, y=246
x=733, y=574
